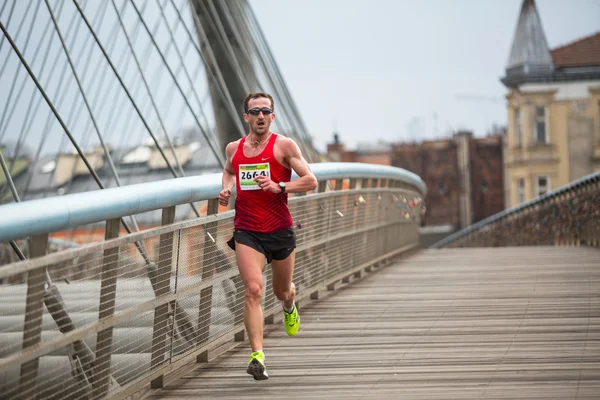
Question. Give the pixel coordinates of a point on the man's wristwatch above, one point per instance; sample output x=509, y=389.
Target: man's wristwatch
x=282, y=187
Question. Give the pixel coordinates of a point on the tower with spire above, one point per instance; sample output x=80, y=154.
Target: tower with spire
x=553, y=109
x=530, y=59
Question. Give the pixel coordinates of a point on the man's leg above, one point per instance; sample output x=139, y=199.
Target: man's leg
x=250, y=264
x=285, y=290
x=283, y=272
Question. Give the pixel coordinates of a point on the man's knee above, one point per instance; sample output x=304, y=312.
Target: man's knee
x=254, y=292
x=284, y=294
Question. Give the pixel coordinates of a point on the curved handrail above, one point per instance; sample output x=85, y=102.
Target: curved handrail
x=584, y=181
x=19, y=220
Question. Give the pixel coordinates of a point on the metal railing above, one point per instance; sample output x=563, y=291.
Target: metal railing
x=111, y=318
x=569, y=215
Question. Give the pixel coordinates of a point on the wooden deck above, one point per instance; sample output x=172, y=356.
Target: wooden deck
x=521, y=323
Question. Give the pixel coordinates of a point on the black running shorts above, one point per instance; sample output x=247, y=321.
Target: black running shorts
x=275, y=245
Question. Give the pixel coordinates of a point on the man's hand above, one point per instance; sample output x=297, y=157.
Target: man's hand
x=224, y=197
x=266, y=183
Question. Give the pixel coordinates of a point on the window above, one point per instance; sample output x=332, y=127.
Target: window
x=541, y=134
x=520, y=190
x=48, y=167
x=518, y=127
x=441, y=188
x=139, y=155
x=542, y=185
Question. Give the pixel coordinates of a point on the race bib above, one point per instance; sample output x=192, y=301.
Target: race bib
x=248, y=172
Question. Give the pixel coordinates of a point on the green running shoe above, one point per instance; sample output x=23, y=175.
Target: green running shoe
x=256, y=367
x=291, y=321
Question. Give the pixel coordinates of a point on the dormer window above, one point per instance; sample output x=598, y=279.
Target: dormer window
x=137, y=156
x=48, y=167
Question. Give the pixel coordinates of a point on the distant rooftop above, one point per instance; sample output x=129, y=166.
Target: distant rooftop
x=59, y=174
x=584, y=52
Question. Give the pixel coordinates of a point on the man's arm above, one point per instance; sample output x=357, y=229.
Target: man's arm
x=228, y=179
x=293, y=158
x=306, y=179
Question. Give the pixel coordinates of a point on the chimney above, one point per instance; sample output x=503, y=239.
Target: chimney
x=335, y=150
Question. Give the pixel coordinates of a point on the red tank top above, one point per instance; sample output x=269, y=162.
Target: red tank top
x=255, y=209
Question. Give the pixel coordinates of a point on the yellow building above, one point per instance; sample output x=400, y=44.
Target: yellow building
x=553, y=110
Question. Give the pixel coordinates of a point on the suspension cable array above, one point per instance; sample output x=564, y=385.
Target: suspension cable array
x=102, y=94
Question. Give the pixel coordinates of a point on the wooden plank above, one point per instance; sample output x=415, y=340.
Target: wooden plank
x=160, y=333
x=108, y=294
x=457, y=323
x=206, y=294
x=34, y=308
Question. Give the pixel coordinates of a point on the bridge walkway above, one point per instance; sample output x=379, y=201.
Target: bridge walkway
x=485, y=323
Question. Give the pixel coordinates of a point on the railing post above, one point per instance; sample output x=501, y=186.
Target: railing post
x=362, y=216
x=373, y=184
x=240, y=335
x=163, y=284
x=354, y=206
x=333, y=252
x=268, y=296
x=238, y=316
x=322, y=204
x=204, y=310
x=108, y=292
x=34, y=308
x=322, y=186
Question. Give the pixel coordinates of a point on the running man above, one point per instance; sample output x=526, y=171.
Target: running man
x=260, y=166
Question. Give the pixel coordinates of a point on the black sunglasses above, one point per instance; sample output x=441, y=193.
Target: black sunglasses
x=256, y=111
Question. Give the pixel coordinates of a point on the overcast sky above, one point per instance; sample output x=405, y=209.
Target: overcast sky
x=388, y=70
x=373, y=68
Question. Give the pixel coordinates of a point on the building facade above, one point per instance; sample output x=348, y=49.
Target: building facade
x=553, y=110
x=463, y=174
x=464, y=177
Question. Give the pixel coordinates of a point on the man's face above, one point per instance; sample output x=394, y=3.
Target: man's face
x=258, y=116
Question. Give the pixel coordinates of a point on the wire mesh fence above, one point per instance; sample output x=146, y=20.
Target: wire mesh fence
x=112, y=317
x=567, y=216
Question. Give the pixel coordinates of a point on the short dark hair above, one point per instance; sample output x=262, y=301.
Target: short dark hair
x=256, y=96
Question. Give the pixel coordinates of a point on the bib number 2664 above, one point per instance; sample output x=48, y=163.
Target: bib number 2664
x=249, y=172
x=252, y=174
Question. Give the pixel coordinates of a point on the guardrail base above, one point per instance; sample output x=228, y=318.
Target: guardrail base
x=202, y=357
x=239, y=336
x=157, y=383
